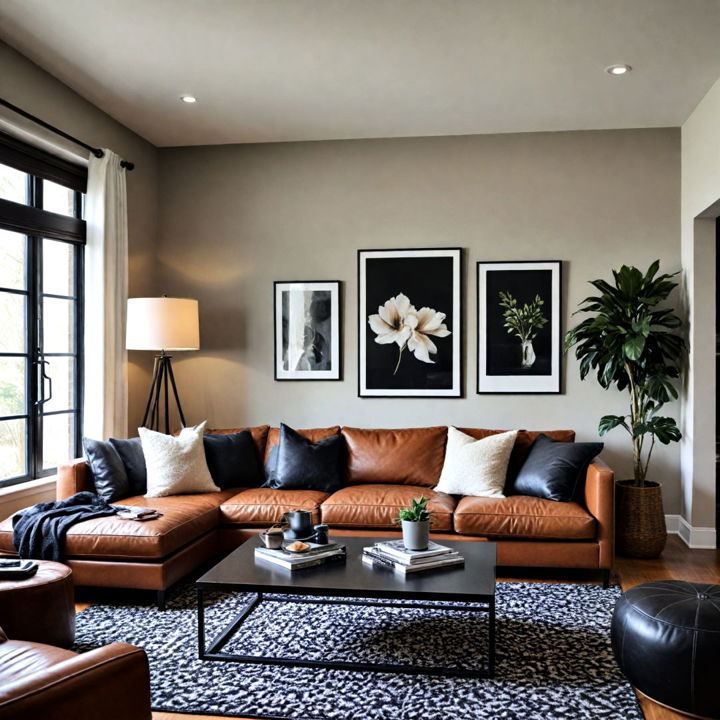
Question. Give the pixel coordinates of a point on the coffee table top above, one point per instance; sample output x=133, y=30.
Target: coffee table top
x=473, y=582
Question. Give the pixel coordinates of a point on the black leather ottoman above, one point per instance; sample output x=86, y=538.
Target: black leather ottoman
x=666, y=639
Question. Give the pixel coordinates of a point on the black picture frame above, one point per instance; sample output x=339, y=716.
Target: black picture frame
x=308, y=311
x=419, y=365
x=506, y=364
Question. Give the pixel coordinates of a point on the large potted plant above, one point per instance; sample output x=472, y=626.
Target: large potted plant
x=629, y=342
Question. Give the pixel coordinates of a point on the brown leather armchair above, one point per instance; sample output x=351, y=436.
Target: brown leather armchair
x=43, y=681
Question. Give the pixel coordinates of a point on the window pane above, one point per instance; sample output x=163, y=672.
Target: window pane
x=12, y=323
x=12, y=449
x=58, y=199
x=61, y=370
x=58, y=440
x=58, y=326
x=12, y=386
x=13, y=184
x=58, y=267
x=12, y=260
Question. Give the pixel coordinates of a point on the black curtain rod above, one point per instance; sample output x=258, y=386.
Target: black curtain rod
x=97, y=152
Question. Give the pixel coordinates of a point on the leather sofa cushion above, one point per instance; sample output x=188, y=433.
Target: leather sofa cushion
x=523, y=443
x=375, y=506
x=259, y=435
x=185, y=518
x=522, y=517
x=19, y=658
x=312, y=434
x=410, y=456
x=261, y=507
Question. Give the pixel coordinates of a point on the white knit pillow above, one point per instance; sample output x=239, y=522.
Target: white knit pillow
x=176, y=465
x=476, y=467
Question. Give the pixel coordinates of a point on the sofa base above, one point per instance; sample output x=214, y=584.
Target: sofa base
x=157, y=576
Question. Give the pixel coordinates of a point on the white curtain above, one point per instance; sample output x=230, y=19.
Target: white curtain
x=106, y=282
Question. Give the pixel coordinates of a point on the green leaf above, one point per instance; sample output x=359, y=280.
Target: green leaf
x=664, y=429
x=634, y=346
x=608, y=422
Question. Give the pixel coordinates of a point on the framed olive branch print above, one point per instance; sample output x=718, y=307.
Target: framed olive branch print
x=518, y=326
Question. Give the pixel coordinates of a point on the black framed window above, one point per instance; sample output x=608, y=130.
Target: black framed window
x=42, y=237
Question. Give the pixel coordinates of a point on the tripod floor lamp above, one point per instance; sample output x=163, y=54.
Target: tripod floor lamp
x=162, y=324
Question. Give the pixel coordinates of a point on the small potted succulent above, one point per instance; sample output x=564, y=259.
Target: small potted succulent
x=415, y=522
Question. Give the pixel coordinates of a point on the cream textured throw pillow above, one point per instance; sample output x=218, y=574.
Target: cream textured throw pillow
x=476, y=467
x=176, y=465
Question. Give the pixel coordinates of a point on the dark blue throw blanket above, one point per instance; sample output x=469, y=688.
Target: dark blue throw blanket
x=39, y=531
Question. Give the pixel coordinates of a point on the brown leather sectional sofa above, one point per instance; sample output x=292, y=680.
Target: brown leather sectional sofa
x=386, y=469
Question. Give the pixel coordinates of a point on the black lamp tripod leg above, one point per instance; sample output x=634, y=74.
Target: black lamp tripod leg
x=166, y=365
x=175, y=393
x=153, y=384
x=155, y=416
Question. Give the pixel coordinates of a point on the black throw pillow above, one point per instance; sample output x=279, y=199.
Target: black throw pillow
x=233, y=460
x=555, y=470
x=108, y=472
x=305, y=465
x=131, y=453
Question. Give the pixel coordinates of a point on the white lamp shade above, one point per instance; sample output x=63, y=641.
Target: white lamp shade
x=162, y=324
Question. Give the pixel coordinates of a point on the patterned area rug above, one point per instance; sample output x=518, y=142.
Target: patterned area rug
x=554, y=660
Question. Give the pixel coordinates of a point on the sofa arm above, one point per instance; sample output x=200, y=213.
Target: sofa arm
x=110, y=683
x=73, y=478
x=600, y=501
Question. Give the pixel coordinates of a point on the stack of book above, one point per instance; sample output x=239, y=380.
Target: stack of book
x=316, y=555
x=135, y=512
x=393, y=555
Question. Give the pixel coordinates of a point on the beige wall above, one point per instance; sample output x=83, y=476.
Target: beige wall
x=700, y=205
x=235, y=218
x=26, y=85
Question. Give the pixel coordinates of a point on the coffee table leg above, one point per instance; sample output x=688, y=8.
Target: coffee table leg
x=201, y=623
x=491, y=638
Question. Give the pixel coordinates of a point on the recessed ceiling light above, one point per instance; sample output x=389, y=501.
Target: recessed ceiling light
x=188, y=99
x=618, y=69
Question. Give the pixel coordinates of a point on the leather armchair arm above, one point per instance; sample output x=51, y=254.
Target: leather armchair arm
x=73, y=478
x=110, y=683
x=600, y=501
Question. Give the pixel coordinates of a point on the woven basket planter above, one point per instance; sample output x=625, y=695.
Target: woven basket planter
x=639, y=519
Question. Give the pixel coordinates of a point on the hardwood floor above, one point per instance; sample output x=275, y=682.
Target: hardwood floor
x=677, y=562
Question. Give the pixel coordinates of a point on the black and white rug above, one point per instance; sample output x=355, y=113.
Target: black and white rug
x=554, y=660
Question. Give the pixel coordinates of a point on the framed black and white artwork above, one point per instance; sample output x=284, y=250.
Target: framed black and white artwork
x=410, y=323
x=307, y=330
x=518, y=326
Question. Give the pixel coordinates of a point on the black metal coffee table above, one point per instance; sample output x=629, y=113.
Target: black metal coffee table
x=353, y=583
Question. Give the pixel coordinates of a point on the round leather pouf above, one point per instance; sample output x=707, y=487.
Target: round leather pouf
x=40, y=608
x=666, y=639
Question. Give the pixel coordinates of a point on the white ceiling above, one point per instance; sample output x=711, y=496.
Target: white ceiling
x=279, y=70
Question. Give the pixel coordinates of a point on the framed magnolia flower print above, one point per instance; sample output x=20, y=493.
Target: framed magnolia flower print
x=518, y=327
x=410, y=323
x=307, y=330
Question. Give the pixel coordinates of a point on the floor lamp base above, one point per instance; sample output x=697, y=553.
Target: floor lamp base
x=162, y=380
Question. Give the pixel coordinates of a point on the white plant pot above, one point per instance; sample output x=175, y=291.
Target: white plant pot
x=416, y=535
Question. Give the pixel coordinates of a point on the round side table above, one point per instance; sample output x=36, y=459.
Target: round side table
x=40, y=608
